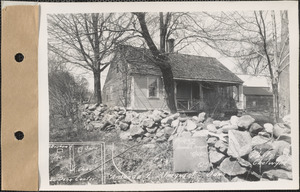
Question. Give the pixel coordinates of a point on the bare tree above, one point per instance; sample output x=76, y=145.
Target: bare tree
x=251, y=38
x=169, y=24
x=83, y=40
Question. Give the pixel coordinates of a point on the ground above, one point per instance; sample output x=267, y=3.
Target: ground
x=139, y=162
x=126, y=160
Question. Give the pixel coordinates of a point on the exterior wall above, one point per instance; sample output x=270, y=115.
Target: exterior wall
x=259, y=103
x=116, y=90
x=139, y=94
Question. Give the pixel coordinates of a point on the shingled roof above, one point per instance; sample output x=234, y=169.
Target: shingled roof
x=185, y=67
x=261, y=91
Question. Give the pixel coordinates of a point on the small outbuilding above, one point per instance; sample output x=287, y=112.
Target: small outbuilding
x=258, y=99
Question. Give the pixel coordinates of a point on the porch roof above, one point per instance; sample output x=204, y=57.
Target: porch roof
x=262, y=91
x=184, y=67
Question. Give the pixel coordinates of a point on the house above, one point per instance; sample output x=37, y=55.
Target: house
x=258, y=99
x=201, y=83
x=257, y=93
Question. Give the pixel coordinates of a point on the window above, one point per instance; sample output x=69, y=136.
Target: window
x=152, y=87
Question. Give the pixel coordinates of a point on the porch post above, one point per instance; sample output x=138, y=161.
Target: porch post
x=241, y=97
x=200, y=94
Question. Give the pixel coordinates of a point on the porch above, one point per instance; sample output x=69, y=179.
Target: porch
x=212, y=97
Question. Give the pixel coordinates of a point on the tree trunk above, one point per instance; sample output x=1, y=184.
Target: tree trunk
x=169, y=88
x=275, y=101
x=97, y=87
x=161, y=60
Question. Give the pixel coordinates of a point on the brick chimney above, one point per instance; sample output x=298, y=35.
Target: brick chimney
x=170, y=45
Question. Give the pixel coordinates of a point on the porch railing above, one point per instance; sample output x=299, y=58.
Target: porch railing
x=188, y=104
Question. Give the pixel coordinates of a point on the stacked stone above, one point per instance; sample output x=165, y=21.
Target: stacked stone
x=237, y=147
x=101, y=117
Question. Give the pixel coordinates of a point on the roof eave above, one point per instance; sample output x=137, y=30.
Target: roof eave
x=208, y=80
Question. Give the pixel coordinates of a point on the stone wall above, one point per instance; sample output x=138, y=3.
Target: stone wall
x=239, y=147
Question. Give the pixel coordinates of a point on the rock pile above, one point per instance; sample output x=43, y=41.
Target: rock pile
x=239, y=147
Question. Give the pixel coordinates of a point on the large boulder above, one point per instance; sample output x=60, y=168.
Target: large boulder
x=221, y=146
x=280, y=147
x=287, y=120
x=201, y=117
x=265, y=134
x=260, y=140
x=232, y=167
x=262, y=148
x=226, y=128
x=161, y=139
x=167, y=120
x=149, y=134
x=215, y=157
x=234, y=120
x=96, y=124
x=254, y=157
x=211, y=141
x=159, y=133
x=217, y=123
x=136, y=130
x=174, y=116
x=269, y=157
x=190, y=125
x=151, y=130
x=175, y=123
x=168, y=131
x=93, y=107
x=225, y=123
x=285, y=162
x=157, y=112
x=245, y=121
x=268, y=127
x=211, y=128
x=255, y=128
x=285, y=137
x=155, y=118
x=111, y=119
x=123, y=126
x=148, y=122
x=129, y=116
x=244, y=163
x=280, y=129
x=239, y=143
x=97, y=113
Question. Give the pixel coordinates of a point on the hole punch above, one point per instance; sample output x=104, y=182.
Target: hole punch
x=19, y=135
x=19, y=57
